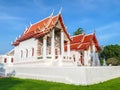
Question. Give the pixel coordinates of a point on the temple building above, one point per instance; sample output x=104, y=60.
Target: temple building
x=47, y=42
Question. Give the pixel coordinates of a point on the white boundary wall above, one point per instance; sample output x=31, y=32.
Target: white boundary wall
x=70, y=75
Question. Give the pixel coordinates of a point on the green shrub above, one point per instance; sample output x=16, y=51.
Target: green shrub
x=113, y=61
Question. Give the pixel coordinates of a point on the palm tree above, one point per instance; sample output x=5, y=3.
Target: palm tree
x=78, y=31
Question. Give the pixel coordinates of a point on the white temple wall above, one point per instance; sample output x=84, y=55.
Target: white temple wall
x=70, y=75
x=74, y=53
x=23, y=47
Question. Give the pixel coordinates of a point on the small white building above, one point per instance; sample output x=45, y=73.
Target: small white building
x=48, y=42
x=7, y=59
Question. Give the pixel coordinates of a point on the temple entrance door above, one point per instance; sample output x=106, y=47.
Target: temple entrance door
x=81, y=59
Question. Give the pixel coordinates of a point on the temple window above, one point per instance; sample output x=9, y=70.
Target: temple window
x=32, y=51
x=48, y=41
x=21, y=53
x=5, y=60
x=11, y=60
x=26, y=53
x=48, y=45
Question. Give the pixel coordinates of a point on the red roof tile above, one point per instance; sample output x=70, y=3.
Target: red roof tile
x=83, y=46
x=88, y=38
x=77, y=38
x=40, y=25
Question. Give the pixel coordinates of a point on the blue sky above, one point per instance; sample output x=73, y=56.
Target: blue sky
x=103, y=16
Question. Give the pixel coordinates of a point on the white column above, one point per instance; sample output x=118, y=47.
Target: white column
x=97, y=58
x=68, y=49
x=62, y=44
x=85, y=58
x=94, y=60
x=94, y=56
x=44, y=47
x=53, y=45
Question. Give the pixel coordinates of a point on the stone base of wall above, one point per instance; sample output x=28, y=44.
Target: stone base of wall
x=70, y=75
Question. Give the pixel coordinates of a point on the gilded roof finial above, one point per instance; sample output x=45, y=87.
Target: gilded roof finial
x=60, y=11
x=94, y=31
x=30, y=24
x=52, y=13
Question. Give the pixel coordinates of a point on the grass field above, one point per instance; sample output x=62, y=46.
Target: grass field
x=28, y=84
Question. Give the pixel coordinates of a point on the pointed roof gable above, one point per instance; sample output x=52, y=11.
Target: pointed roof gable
x=82, y=42
x=41, y=28
x=37, y=25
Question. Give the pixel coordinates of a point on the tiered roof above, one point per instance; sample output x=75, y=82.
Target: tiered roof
x=82, y=42
x=41, y=28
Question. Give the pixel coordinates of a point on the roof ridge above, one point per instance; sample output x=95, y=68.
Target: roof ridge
x=79, y=46
x=83, y=38
x=51, y=20
x=41, y=20
x=28, y=29
x=90, y=34
x=77, y=35
x=36, y=23
x=75, y=43
x=60, y=16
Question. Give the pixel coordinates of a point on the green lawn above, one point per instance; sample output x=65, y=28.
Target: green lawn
x=28, y=84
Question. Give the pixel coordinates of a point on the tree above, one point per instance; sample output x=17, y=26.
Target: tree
x=112, y=54
x=78, y=31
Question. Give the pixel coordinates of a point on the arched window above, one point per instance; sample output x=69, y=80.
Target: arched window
x=26, y=53
x=5, y=60
x=32, y=51
x=11, y=60
x=21, y=53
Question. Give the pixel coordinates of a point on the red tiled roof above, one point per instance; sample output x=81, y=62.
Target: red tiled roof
x=77, y=38
x=78, y=46
x=72, y=46
x=40, y=25
x=88, y=38
x=82, y=42
x=41, y=28
x=83, y=46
